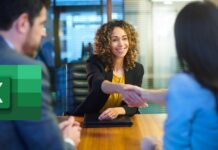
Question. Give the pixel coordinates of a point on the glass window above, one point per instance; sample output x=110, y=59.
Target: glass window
x=79, y=21
x=154, y=22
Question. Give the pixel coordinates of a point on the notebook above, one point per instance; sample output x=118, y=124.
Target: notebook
x=92, y=121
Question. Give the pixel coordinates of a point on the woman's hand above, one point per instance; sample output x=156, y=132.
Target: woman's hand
x=132, y=95
x=112, y=113
x=154, y=95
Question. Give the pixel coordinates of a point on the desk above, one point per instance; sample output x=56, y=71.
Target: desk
x=122, y=138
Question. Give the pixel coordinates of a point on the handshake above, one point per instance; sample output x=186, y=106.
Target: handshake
x=135, y=96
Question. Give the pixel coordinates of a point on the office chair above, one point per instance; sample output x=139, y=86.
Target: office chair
x=72, y=86
x=77, y=85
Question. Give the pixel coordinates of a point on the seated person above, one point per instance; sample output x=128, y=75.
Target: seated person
x=192, y=98
x=112, y=66
x=21, y=31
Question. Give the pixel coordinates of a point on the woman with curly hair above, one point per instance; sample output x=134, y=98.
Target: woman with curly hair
x=112, y=67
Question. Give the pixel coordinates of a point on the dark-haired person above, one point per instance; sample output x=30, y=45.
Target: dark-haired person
x=21, y=30
x=192, y=99
x=110, y=69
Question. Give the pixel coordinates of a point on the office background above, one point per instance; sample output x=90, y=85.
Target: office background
x=71, y=29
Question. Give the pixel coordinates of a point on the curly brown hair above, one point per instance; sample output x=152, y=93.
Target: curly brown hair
x=102, y=44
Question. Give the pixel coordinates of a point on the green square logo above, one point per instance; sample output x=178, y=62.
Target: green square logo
x=5, y=93
x=20, y=92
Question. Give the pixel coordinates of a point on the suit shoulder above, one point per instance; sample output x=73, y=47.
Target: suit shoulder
x=94, y=58
x=16, y=58
x=96, y=61
x=139, y=67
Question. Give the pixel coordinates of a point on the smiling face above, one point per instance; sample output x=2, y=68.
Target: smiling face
x=119, y=43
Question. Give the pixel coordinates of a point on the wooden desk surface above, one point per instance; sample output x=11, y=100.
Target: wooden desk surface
x=123, y=138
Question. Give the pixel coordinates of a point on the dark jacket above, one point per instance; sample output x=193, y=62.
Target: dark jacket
x=30, y=134
x=96, y=74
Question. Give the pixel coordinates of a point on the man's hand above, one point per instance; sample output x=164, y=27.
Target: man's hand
x=72, y=132
x=71, y=129
x=70, y=122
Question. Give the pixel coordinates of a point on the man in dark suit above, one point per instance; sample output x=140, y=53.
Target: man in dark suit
x=21, y=31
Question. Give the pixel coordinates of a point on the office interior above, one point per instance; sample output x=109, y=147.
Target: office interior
x=71, y=28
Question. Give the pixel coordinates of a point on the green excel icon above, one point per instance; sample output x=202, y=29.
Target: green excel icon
x=4, y=93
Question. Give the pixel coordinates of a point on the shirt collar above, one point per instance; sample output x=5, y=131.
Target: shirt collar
x=9, y=43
